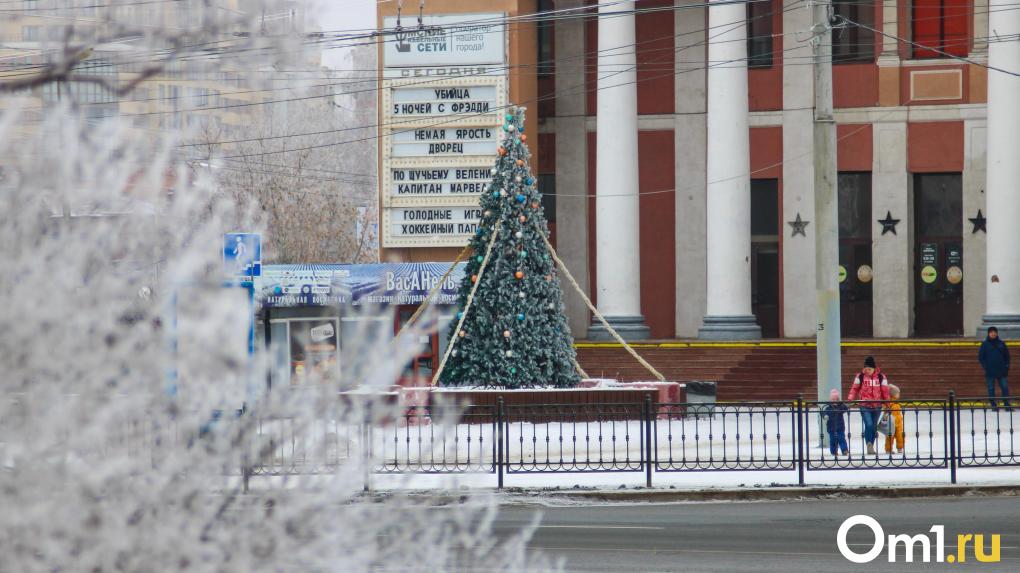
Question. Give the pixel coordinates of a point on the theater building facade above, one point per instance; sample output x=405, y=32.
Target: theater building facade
x=675, y=147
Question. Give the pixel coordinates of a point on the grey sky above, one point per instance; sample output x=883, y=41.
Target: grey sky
x=341, y=15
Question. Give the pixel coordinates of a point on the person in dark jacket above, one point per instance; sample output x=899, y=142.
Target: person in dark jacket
x=835, y=424
x=994, y=358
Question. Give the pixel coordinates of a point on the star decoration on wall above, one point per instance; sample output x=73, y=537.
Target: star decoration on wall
x=888, y=224
x=979, y=223
x=798, y=226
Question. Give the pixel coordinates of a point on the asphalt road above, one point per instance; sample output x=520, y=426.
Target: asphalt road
x=760, y=536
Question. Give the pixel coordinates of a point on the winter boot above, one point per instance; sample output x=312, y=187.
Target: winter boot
x=871, y=449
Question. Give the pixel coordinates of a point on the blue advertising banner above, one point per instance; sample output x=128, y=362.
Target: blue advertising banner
x=385, y=283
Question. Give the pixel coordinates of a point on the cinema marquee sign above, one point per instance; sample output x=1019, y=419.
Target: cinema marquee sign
x=442, y=102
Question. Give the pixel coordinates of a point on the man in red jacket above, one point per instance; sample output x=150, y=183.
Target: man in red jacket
x=871, y=387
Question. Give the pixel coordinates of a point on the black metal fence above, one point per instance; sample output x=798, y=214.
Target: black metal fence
x=650, y=438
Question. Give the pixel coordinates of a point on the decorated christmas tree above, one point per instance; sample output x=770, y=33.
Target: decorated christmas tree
x=513, y=334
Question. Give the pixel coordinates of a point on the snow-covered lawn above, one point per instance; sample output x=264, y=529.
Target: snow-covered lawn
x=760, y=439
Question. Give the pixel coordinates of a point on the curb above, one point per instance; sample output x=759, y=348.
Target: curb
x=764, y=494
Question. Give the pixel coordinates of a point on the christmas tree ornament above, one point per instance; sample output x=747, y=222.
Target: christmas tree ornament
x=522, y=254
x=524, y=137
x=462, y=334
x=521, y=198
x=520, y=294
x=496, y=193
x=474, y=278
x=519, y=275
x=509, y=117
x=510, y=127
x=548, y=278
x=509, y=354
x=453, y=352
x=502, y=192
x=517, y=179
x=522, y=218
x=518, y=235
x=520, y=316
x=506, y=334
x=488, y=213
x=493, y=171
x=479, y=258
x=501, y=150
x=520, y=163
x=552, y=306
x=460, y=315
x=534, y=204
x=529, y=180
x=513, y=370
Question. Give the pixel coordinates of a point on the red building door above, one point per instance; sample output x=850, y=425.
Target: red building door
x=855, y=274
x=938, y=254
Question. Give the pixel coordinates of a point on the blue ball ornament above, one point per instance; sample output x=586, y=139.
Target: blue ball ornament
x=509, y=117
x=520, y=316
x=513, y=370
x=460, y=315
x=521, y=198
x=495, y=193
x=479, y=258
x=529, y=180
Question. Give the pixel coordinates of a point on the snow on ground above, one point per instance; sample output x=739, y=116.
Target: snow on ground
x=729, y=439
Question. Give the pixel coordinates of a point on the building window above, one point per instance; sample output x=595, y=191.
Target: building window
x=547, y=186
x=765, y=209
x=30, y=33
x=546, y=31
x=940, y=28
x=854, y=205
x=852, y=43
x=759, y=34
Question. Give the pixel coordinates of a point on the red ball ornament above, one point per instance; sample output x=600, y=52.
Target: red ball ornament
x=548, y=277
x=520, y=163
x=501, y=150
x=519, y=275
x=474, y=278
x=506, y=334
x=462, y=334
x=524, y=137
x=534, y=205
x=522, y=218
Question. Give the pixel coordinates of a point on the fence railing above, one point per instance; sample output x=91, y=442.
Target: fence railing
x=651, y=437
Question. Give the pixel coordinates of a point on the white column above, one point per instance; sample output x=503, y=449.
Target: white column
x=892, y=286
x=798, y=180
x=728, y=313
x=572, y=163
x=1003, y=172
x=617, y=218
x=689, y=164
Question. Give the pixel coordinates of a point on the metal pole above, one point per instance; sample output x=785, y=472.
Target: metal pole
x=952, y=436
x=499, y=443
x=649, y=420
x=826, y=215
x=800, y=439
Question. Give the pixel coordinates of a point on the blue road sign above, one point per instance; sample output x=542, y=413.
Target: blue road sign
x=242, y=254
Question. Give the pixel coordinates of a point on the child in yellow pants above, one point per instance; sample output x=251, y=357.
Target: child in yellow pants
x=897, y=416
